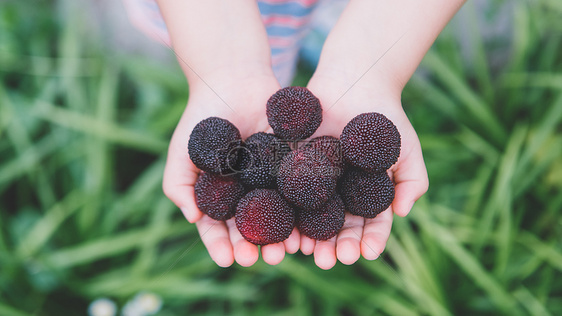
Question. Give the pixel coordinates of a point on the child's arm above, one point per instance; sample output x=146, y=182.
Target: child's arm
x=222, y=48
x=367, y=59
x=213, y=38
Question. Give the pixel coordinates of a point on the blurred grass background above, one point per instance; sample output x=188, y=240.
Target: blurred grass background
x=83, y=136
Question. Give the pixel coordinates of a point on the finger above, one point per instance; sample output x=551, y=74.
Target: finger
x=273, y=253
x=375, y=234
x=180, y=176
x=325, y=253
x=349, y=239
x=214, y=235
x=190, y=210
x=245, y=253
x=307, y=245
x=293, y=243
x=410, y=177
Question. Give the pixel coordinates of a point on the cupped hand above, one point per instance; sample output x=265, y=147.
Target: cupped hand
x=241, y=100
x=342, y=99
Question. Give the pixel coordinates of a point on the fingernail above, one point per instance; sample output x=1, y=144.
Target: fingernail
x=185, y=213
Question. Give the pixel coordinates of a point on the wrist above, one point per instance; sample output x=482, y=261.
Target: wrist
x=339, y=83
x=235, y=90
x=227, y=73
x=234, y=79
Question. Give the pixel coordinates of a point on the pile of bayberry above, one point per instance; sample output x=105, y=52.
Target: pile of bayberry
x=272, y=183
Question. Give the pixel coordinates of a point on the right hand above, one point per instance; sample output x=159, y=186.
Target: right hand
x=241, y=100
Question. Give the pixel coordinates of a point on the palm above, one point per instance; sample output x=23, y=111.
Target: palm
x=242, y=103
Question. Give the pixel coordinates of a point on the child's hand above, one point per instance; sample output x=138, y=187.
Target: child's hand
x=241, y=100
x=341, y=103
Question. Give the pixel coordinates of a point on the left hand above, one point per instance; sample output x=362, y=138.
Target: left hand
x=342, y=99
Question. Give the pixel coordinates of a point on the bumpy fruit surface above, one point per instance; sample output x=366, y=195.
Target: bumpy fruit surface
x=294, y=113
x=330, y=147
x=264, y=217
x=306, y=179
x=323, y=223
x=370, y=141
x=366, y=194
x=260, y=160
x=213, y=145
x=218, y=195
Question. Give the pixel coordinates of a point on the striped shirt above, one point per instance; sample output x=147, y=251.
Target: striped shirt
x=286, y=22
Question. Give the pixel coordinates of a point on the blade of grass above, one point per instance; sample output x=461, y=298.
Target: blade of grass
x=436, y=97
x=478, y=53
x=42, y=231
x=546, y=80
x=10, y=311
x=500, y=200
x=415, y=278
x=29, y=159
x=425, y=276
x=521, y=36
x=148, y=254
x=299, y=301
x=478, y=145
x=22, y=141
x=547, y=285
x=344, y=292
x=545, y=128
x=109, y=131
x=553, y=4
x=466, y=261
x=143, y=70
x=551, y=216
x=449, y=46
x=97, y=174
x=549, y=253
x=503, y=198
x=97, y=249
x=70, y=68
x=530, y=302
x=138, y=194
x=175, y=286
x=546, y=157
x=384, y=271
x=527, y=268
x=488, y=122
x=479, y=189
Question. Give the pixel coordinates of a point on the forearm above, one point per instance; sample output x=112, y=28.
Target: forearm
x=213, y=38
x=384, y=40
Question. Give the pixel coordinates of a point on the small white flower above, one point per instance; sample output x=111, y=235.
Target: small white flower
x=132, y=308
x=102, y=307
x=143, y=304
x=150, y=303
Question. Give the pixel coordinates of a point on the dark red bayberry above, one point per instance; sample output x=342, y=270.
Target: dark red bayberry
x=264, y=217
x=370, y=141
x=213, y=145
x=365, y=194
x=330, y=147
x=323, y=223
x=294, y=113
x=260, y=160
x=306, y=179
x=218, y=195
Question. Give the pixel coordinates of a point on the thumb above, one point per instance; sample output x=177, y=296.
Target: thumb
x=180, y=175
x=411, y=181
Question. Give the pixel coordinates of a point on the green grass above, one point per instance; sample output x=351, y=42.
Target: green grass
x=83, y=136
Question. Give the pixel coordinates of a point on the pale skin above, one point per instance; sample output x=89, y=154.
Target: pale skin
x=222, y=48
